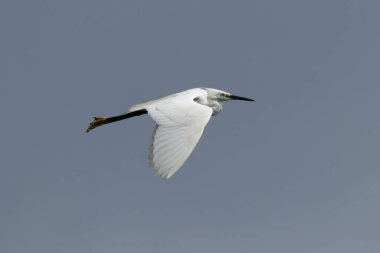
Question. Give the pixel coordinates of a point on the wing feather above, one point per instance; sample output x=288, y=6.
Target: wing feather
x=180, y=123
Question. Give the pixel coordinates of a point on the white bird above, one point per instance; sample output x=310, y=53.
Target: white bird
x=180, y=119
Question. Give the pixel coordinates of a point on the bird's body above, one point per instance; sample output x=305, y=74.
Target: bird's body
x=180, y=119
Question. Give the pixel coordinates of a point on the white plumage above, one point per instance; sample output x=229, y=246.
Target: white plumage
x=180, y=120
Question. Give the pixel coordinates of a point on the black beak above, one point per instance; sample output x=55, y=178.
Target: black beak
x=233, y=97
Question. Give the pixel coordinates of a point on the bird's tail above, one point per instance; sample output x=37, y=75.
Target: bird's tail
x=98, y=121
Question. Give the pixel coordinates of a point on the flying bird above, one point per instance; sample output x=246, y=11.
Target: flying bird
x=180, y=119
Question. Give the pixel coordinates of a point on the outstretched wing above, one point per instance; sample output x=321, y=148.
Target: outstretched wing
x=180, y=123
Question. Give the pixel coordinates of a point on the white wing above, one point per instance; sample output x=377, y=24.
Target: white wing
x=180, y=123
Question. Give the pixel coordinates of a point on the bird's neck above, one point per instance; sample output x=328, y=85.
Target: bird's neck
x=216, y=107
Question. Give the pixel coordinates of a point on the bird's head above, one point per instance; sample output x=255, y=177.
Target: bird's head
x=221, y=96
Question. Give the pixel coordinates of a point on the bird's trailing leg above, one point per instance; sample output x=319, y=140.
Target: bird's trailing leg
x=99, y=121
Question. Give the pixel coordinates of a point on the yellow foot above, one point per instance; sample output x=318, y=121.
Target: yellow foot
x=98, y=121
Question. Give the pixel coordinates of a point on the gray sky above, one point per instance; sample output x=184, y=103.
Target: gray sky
x=296, y=171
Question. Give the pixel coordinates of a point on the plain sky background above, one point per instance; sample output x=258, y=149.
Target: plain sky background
x=296, y=171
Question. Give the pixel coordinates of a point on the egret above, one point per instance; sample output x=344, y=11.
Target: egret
x=180, y=119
